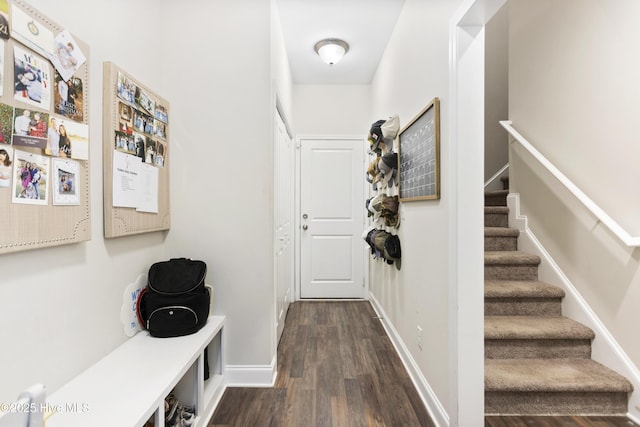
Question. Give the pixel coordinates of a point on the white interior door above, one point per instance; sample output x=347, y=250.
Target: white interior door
x=332, y=218
x=284, y=262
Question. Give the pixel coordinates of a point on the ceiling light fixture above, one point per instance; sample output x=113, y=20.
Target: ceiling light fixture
x=331, y=50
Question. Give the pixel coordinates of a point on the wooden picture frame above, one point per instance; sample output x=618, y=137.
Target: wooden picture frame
x=419, y=156
x=45, y=222
x=123, y=118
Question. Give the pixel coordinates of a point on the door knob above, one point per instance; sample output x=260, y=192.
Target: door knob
x=304, y=227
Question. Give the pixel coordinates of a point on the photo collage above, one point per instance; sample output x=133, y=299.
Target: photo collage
x=43, y=137
x=142, y=124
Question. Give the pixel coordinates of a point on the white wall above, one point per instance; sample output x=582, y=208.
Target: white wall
x=332, y=109
x=220, y=92
x=280, y=71
x=573, y=94
x=59, y=307
x=496, y=76
x=413, y=71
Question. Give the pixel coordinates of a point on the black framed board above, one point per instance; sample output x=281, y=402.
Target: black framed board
x=419, y=155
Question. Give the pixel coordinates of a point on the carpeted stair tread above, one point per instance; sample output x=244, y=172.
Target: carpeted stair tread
x=521, y=289
x=496, y=210
x=535, y=327
x=510, y=258
x=501, y=232
x=552, y=375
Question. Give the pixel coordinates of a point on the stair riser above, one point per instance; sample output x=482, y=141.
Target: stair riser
x=511, y=272
x=500, y=243
x=496, y=220
x=538, y=348
x=554, y=403
x=505, y=182
x=495, y=200
x=522, y=307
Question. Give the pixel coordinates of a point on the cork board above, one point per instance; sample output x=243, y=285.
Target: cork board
x=136, y=156
x=50, y=204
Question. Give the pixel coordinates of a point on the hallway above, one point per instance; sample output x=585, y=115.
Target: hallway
x=336, y=367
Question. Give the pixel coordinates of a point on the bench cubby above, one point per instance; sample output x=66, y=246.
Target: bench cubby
x=129, y=385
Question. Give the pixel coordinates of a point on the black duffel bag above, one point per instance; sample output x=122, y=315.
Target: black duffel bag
x=175, y=301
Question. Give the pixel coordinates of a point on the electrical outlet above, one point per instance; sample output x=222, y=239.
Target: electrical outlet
x=419, y=337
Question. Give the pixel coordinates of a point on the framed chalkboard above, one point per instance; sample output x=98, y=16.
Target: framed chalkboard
x=419, y=156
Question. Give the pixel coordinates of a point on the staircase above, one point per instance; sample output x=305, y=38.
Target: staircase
x=537, y=362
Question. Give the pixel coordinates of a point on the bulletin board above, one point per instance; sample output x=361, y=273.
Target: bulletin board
x=44, y=132
x=419, y=156
x=136, y=156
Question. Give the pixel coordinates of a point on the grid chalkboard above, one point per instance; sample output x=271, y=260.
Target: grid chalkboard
x=419, y=156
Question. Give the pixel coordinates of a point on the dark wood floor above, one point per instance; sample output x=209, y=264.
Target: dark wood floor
x=337, y=367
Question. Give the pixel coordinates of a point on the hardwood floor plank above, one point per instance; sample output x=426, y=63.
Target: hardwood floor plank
x=372, y=400
x=336, y=367
x=355, y=403
x=303, y=408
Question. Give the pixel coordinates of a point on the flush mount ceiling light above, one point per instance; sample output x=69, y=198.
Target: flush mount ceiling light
x=331, y=50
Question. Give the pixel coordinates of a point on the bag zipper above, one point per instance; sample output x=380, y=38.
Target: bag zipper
x=181, y=307
x=204, y=275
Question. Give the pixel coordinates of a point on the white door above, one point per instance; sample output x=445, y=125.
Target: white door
x=283, y=221
x=332, y=218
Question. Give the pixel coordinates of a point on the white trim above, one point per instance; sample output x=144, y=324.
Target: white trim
x=251, y=375
x=210, y=408
x=600, y=214
x=605, y=349
x=466, y=240
x=496, y=176
x=298, y=213
x=429, y=398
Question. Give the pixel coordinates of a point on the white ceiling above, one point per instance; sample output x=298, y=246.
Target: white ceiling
x=366, y=25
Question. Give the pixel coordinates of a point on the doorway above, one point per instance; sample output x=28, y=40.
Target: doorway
x=284, y=262
x=331, y=218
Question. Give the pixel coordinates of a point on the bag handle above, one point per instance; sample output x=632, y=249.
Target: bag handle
x=141, y=321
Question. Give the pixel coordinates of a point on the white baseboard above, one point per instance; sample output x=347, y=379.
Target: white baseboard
x=604, y=348
x=431, y=402
x=251, y=375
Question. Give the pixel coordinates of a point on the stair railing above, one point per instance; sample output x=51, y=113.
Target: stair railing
x=496, y=175
x=600, y=214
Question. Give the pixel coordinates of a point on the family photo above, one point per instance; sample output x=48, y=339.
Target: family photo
x=31, y=79
x=5, y=168
x=30, y=128
x=30, y=174
x=69, y=97
x=66, y=174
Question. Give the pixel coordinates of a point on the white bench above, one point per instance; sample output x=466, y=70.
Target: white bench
x=128, y=386
x=27, y=411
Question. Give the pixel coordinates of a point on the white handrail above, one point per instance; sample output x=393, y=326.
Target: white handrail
x=601, y=215
x=496, y=175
